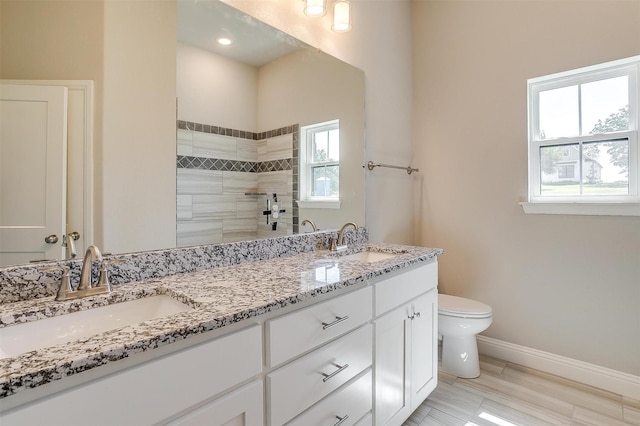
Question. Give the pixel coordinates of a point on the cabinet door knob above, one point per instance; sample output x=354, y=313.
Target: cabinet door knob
x=340, y=368
x=338, y=320
x=341, y=419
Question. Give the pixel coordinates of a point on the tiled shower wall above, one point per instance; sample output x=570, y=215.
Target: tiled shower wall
x=224, y=179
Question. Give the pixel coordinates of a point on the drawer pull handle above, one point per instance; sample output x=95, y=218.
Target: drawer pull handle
x=338, y=320
x=414, y=316
x=341, y=419
x=340, y=368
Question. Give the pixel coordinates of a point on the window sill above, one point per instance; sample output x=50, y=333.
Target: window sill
x=318, y=204
x=588, y=209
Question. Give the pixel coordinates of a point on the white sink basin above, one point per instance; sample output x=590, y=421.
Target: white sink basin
x=370, y=256
x=21, y=338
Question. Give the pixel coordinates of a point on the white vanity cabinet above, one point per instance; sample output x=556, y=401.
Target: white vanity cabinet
x=161, y=389
x=366, y=356
x=406, y=332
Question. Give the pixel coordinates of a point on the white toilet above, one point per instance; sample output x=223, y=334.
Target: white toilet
x=459, y=320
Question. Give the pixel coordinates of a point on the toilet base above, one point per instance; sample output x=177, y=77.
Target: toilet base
x=460, y=356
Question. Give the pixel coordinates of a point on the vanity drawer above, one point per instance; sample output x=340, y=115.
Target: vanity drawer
x=348, y=404
x=297, y=386
x=400, y=288
x=290, y=335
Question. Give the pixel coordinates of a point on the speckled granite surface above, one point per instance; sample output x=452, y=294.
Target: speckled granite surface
x=42, y=279
x=220, y=296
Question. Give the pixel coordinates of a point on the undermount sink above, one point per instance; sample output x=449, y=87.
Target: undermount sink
x=43, y=333
x=370, y=256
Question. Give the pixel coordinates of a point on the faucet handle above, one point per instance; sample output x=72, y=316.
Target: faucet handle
x=103, y=280
x=65, y=285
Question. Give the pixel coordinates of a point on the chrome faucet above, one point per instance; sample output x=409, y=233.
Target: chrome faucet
x=339, y=244
x=85, y=287
x=310, y=222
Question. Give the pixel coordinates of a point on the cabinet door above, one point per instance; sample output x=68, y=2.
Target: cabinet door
x=424, y=326
x=392, y=352
x=243, y=407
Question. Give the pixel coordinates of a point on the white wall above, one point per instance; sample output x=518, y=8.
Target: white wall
x=568, y=285
x=139, y=136
x=215, y=90
x=379, y=44
x=308, y=88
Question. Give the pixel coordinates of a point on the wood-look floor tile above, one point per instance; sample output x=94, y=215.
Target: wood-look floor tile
x=504, y=387
x=492, y=365
x=570, y=383
x=492, y=413
x=440, y=418
x=577, y=394
x=595, y=418
x=446, y=377
x=634, y=403
x=631, y=411
x=521, y=396
x=457, y=402
x=419, y=414
x=528, y=401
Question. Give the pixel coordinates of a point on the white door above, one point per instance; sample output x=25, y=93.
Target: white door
x=33, y=158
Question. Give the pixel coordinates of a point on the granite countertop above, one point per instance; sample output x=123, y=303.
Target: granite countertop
x=220, y=296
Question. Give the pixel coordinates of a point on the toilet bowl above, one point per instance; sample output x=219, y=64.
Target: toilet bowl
x=459, y=320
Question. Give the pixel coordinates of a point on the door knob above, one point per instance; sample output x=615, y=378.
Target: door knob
x=51, y=239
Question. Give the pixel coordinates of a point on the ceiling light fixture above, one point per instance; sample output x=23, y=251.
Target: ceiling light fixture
x=341, y=16
x=314, y=8
x=224, y=41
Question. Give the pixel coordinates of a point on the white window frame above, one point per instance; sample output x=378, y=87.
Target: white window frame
x=306, y=165
x=623, y=205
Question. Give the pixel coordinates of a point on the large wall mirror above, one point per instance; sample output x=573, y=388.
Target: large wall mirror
x=242, y=111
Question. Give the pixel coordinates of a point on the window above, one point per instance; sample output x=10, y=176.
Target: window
x=583, y=141
x=320, y=165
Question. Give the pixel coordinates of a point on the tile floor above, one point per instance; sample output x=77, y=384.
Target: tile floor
x=507, y=394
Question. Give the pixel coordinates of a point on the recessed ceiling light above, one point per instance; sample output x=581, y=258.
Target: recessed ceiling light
x=224, y=41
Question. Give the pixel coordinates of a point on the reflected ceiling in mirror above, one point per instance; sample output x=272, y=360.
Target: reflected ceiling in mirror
x=252, y=42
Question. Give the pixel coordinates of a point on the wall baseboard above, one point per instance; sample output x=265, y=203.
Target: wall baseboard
x=568, y=368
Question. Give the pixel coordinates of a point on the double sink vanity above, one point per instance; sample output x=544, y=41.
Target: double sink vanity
x=269, y=332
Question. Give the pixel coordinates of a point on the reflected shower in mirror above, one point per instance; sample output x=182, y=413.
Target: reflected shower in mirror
x=239, y=119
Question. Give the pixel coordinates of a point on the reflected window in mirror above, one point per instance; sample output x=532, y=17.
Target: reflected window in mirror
x=320, y=162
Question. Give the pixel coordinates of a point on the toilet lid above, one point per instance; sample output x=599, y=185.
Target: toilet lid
x=459, y=306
